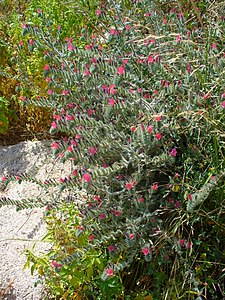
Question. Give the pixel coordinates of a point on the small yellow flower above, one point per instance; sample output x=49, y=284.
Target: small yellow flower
x=175, y=188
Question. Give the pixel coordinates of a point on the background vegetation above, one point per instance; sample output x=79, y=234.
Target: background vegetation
x=17, y=122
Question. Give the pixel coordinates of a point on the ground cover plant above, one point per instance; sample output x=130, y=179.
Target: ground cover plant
x=141, y=107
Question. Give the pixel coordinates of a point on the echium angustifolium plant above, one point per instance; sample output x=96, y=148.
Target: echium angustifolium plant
x=138, y=106
x=118, y=133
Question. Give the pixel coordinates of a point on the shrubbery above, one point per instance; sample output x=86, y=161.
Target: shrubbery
x=141, y=106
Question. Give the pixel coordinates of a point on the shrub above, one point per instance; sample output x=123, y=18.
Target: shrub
x=79, y=268
x=142, y=106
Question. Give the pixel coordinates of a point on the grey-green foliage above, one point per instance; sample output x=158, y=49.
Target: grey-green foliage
x=200, y=196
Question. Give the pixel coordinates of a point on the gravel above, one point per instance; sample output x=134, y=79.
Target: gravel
x=22, y=229
x=18, y=231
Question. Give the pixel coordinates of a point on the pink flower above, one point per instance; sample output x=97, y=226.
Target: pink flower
x=181, y=242
x=120, y=70
x=112, y=89
x=150, y=59
x=97, y=198
x=48, y=79
x=87, y=177
x=22, y=98
x=4, y=178
x=189, y=197
x=87, y=73
x=188, y=245
x=132, y=236
x=164, y=83
x=21, y=44
x=133, y=128
x=50, y=92
x=102, y=216
x=158, y=136
x=206, y=96
x=223, y=104
x=80, y=228
x=64, y=92
x=178, y=38
x=74, y=173
x=173, y=152
x=73, y=143
x=189, y=69
x=155, y=186
x=70, y=47
x=147, y=96
x=39, y=11
x=141, y=200
x=91, y=237
x=57, y=117
x=70, y=149
x=180, y=15
x=149, y=128
x=46, y=67
x=55, y=145
x=116, y=213
x=111, y=248
x=87, y=47
x=177, y=204
x=111, y=102
x=69, y=117
x=55, y=264
x=158, y=118
x=130, y=185
x=54, y=125
x=113, y=31
x=92, y=151
x=213, y=45
x=109, y=272
x=70, y=105
x=98, y=12
x=145, y=251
